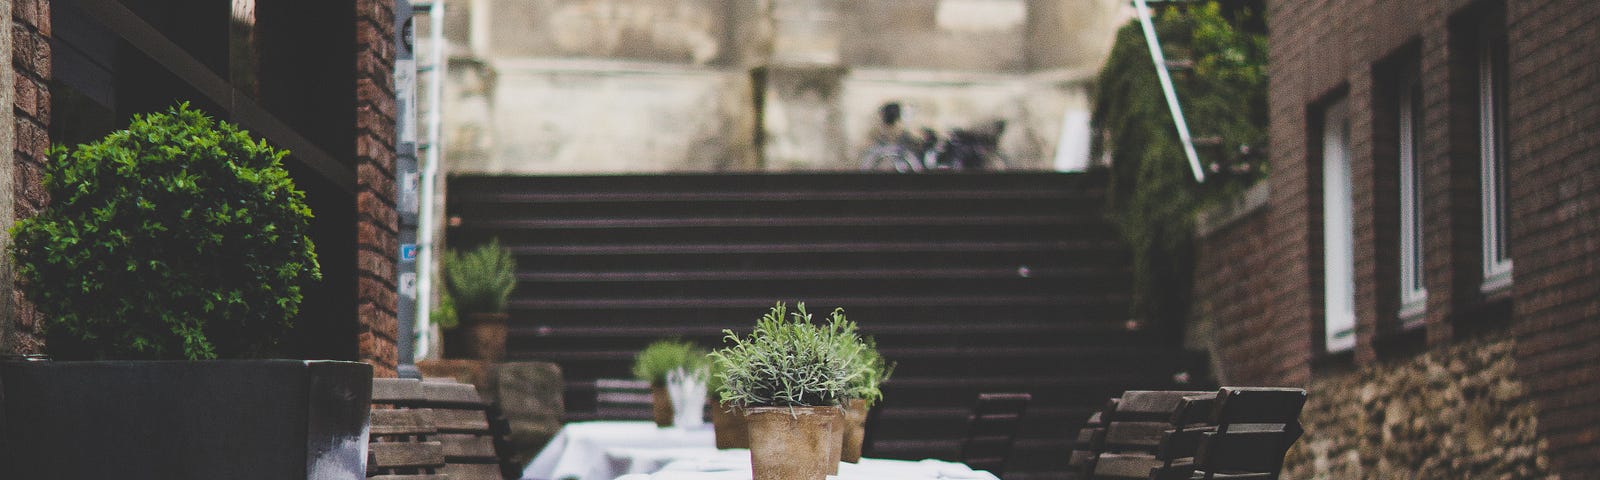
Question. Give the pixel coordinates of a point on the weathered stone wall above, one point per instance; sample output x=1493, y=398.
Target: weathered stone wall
x=1449, y=414
x=596, y=86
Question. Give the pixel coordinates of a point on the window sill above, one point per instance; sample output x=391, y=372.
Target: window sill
x=1496, y=285
x=1414, y=312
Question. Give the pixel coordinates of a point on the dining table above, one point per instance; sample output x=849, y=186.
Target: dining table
x=604, y=450
x=639, y=450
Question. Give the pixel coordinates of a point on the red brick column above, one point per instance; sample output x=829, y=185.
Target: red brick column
x=30, y=61
x=377, y=223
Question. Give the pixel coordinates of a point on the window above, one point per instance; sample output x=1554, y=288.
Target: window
x=1338, y=232
x=1413, y=292
x=1492, y=162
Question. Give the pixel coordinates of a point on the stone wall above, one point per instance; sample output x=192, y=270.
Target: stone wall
x=609, y=86
x=1448, y=414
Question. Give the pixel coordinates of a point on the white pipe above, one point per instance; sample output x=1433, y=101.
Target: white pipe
x=1166, y=87
x=429, y=176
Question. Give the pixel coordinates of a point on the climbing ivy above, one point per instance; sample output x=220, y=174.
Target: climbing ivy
x=1217, y=57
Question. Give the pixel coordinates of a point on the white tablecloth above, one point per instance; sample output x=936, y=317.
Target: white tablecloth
x=604, y=450
x=735, y=465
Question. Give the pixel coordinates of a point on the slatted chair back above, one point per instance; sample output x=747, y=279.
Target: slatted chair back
x=622, y=399
x=1242, y=432
x=992, y=429
x=1140, y=419
x=1191, y=420
x=401, y=447
x=1258, y=405
x=459, y=416
x=1135, y=431
x=1089, y=442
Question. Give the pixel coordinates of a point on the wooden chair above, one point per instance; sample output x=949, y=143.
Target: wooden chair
x=992, y=429
x=1243, y=433
x=1134, y=433
x=622, y=399
x=459, y=418
x=1090, y=442
x=402, y=448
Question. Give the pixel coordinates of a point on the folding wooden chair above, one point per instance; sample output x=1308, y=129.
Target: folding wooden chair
x=1089, y=442
x=459, y=417
x=1243, y=433
x=401, y=447
x=992, y=429
x=1134, y=433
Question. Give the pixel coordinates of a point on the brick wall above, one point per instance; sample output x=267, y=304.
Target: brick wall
x=378, y=227
x=30, y=63
x=1554, y=52
x=1230, y=293
x=1264, y=272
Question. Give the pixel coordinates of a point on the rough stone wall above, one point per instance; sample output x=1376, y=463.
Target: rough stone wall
x=1447, y=414
x=567, y=86
x=29, y=49
x=378, y=225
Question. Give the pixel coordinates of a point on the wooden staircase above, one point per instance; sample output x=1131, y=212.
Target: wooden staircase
x=1002, y=282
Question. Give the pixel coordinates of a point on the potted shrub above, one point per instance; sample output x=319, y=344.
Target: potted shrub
x=871, y=370
x=479, y=284
x=656, y=362
x=788, y=377
x=178, y=239
x=727, y=421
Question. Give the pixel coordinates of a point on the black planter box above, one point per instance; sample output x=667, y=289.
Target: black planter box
x=208, y=420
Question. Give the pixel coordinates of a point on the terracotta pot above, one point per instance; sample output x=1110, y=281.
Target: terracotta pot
x=660, y=405
x=486, y=335
x=835, y=442
x=729, y=425
x=791, y=443
x=855, y=430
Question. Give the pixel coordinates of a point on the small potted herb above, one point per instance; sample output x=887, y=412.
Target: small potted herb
x=656, y=362
x=172, y=259
x=479, y=284
x=789, y=376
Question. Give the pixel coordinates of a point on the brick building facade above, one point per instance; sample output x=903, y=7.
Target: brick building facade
x=314, y=78
x=1435, y=180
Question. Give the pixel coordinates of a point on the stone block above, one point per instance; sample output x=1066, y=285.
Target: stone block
x=530, y=396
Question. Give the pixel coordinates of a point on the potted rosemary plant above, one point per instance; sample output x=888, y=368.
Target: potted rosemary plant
x=788, y=377
x=167, y=246
x=479, y=284
x=657, y=362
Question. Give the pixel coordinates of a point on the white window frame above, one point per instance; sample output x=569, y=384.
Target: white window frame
x=1492, y=163
x=1338, y=233
x=1413, y=289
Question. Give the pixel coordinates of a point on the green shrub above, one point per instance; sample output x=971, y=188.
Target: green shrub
x=480, y=280
x=444, y=315
x=788, y=361
x=870, y=368
x=179, y=237
x=653, y=363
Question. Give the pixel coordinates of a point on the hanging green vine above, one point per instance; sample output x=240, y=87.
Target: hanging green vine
x=1217, y=56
